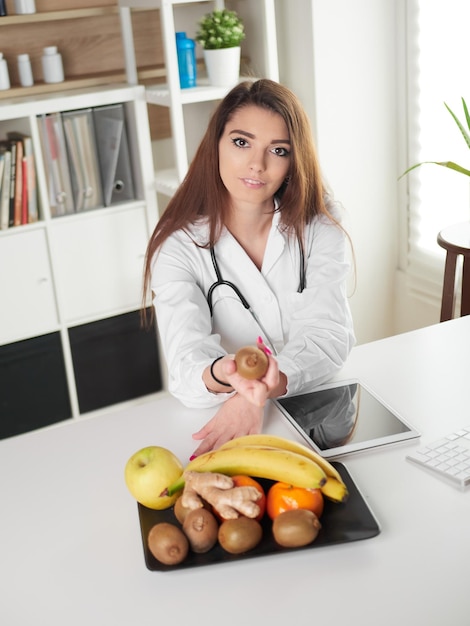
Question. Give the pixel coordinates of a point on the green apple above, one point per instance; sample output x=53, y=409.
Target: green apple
x=148, y=472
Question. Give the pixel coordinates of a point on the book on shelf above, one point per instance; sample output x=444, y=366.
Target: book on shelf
x=11, y=216
x=83, y=159
x=24, y=191
x=2, y=165
x=18, y=194
x=30, y=182
x=113, y=153
x=25, y=203
x=5, y=191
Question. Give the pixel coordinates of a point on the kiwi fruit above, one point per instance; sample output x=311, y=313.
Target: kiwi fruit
x=180, y=511
x=240, y=535
x=201, y=527
x=252, y=362
x=295, y=528
x=168, y=543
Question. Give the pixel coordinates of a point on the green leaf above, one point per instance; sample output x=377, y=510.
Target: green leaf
x=456, y=167
x=462, y=129
x=448, y=164
x=467, y=116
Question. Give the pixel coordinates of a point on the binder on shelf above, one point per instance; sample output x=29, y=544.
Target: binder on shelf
x=56, y=164
x=83, y=158
x=113, y=153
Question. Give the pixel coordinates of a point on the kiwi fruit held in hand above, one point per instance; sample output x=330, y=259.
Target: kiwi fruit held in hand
x=252, y=362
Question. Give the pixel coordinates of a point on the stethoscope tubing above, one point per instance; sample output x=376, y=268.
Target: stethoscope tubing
x=220, y=281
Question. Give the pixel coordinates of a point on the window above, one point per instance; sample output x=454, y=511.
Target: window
x=438, y=53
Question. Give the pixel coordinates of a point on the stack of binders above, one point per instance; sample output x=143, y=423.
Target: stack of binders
x=87, y=159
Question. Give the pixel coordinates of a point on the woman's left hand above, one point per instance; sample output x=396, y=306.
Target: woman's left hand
x=236, y=417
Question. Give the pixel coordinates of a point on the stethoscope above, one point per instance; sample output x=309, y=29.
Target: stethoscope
x=220, y=281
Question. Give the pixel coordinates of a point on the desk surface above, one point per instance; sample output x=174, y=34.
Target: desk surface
x=70, y=546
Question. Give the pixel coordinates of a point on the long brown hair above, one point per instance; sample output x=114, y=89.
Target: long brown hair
x=202, y=192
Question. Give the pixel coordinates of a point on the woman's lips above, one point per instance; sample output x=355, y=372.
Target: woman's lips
x=252, y=182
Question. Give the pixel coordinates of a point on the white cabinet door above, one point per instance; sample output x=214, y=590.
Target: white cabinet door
x=98, y=260
x=27, y=301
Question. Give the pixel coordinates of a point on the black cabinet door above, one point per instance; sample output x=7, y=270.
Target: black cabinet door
x=33, y=385
x=114, y=360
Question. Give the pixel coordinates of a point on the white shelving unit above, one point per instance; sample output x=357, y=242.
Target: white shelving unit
x=63, y=276
x=260, y=46
x=62, y=273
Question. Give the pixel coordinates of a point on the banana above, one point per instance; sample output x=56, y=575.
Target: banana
x=285, y=444
x=258, y=462
x=334, y=488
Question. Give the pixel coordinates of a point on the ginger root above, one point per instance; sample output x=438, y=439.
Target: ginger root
x=219, y=491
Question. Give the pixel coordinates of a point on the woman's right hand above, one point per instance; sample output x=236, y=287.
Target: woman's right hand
x=255, y=391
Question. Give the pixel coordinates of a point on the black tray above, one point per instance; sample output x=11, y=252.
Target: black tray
x=341, y=523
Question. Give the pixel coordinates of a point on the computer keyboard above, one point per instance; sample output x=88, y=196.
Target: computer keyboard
x=448, y=457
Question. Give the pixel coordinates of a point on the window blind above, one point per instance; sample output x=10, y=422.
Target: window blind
x=437, y=59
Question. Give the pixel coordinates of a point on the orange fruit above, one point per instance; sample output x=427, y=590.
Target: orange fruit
x=284, y=497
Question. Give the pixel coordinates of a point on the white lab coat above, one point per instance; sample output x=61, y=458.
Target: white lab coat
x=311, y=331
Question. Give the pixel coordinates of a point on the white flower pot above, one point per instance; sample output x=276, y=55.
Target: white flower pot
x=223, y=66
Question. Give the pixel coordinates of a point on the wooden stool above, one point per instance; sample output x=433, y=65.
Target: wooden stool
x=456, y=241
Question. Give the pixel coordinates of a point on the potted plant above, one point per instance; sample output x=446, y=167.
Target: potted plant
x=220, y=35
x=450, y=164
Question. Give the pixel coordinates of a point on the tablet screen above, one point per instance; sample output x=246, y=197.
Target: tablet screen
x=343, y=418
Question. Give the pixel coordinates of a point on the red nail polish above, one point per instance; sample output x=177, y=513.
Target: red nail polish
x=267, y=350
x=193, y=456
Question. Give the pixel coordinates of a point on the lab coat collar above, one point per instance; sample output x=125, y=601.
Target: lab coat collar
x=275, y=244
x=274, y=247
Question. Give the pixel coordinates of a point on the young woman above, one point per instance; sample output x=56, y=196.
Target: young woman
x=250, y=246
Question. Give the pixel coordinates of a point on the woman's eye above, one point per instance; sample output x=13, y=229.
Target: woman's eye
x=282, y=152
x=240, y=142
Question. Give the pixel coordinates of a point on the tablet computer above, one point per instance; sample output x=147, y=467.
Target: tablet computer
x=344, y=417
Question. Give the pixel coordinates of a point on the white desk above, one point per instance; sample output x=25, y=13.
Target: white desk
x=70, y=546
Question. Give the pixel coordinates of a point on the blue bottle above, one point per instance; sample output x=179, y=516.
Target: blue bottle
x=186, y=49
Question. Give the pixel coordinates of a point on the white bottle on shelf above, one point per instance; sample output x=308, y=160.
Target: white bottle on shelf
x=24, y=70
x=52, y=68
x=4, y=76
x=23, y=7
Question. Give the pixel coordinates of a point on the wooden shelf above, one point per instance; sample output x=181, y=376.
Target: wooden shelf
x=66, y=14
x=89, y=38
x=94, y=80
x=54, y=16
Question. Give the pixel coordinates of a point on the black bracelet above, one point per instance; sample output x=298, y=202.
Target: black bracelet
x=214, y=376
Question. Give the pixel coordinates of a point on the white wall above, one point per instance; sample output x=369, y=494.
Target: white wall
x=349, y=89
x=340, y=57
